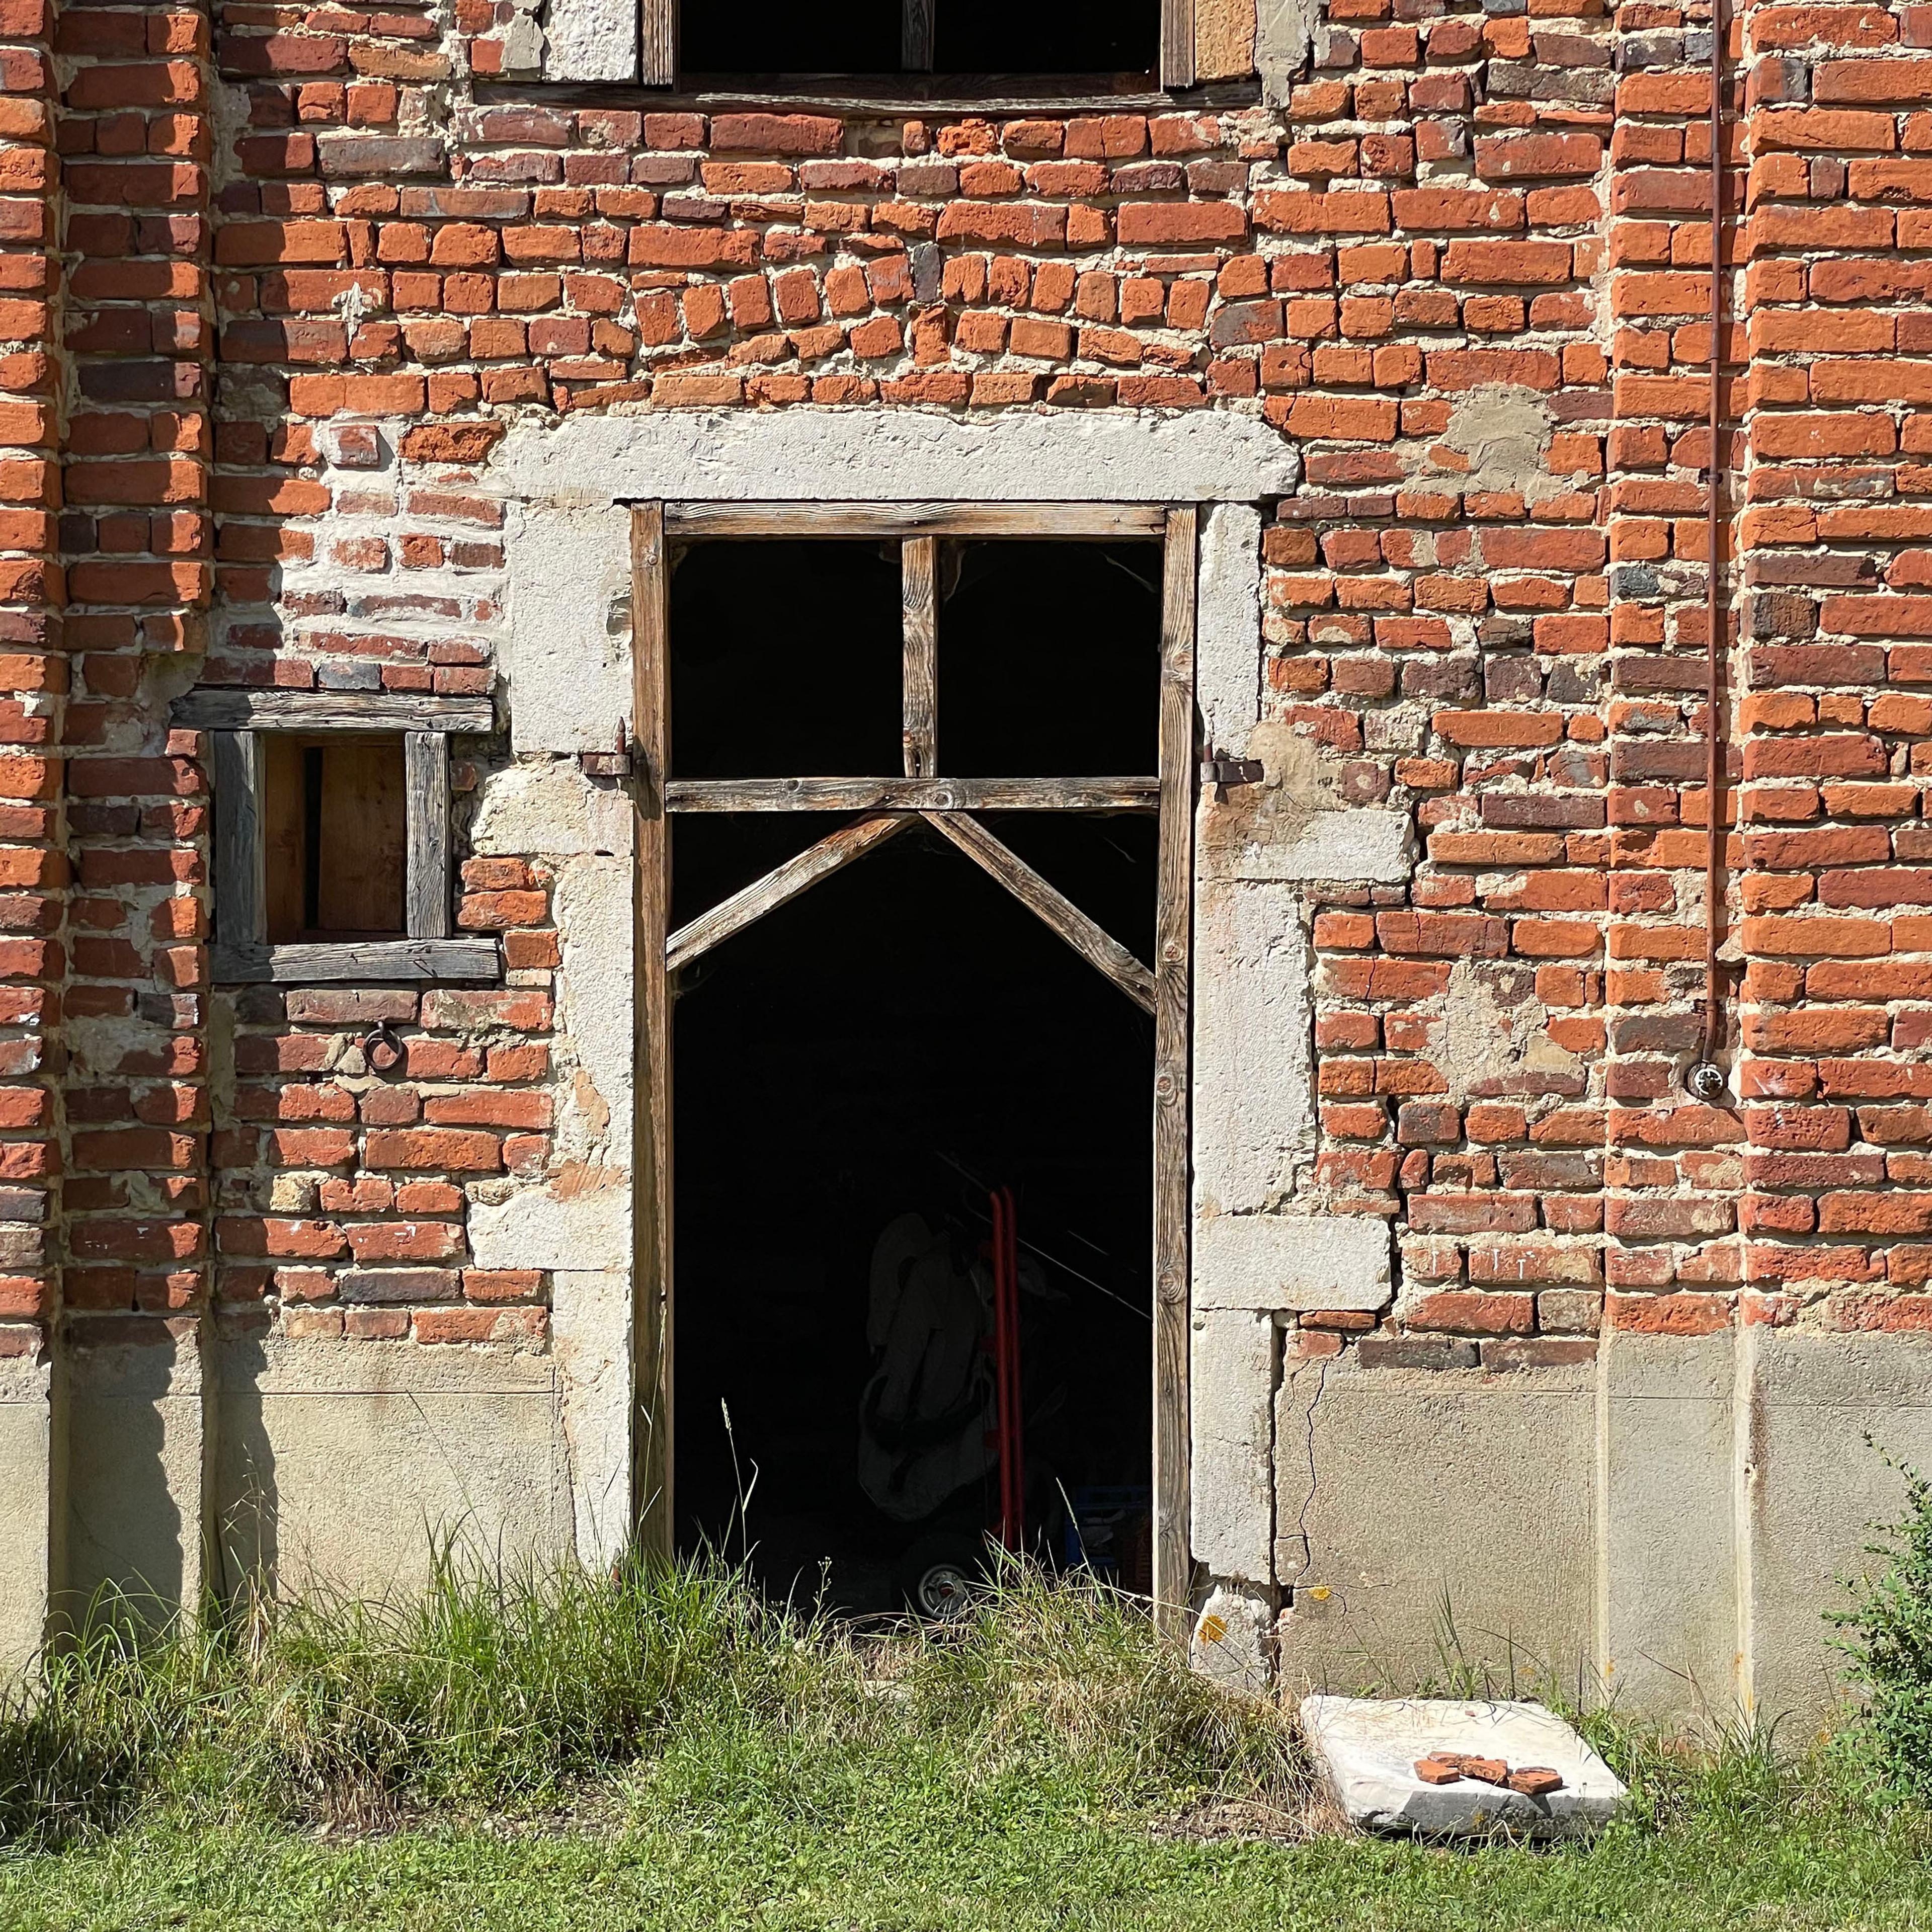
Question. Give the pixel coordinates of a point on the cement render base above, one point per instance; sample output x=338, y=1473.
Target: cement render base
x=1667, y=1529
x=344, y=1466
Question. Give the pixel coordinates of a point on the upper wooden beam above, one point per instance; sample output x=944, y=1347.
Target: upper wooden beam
x=1098, y=522
x=217, y=708
x=940, y=795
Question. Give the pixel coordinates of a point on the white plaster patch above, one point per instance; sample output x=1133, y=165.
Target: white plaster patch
x=1502, y=431
x=1284, y=31
x=545, y=808
x=1495, y=1030
x=137, y=1444
x=1291, y=825
x=591, y=40
x=584, y=1225
x=1290, y=1261
x=1232, y=1489
x=1366, y=843
x=1113, y=456
x=25, y=1377
x=591, y=1330
x=593, y=910
x=1228, y=644
x=567, y=658
x=1230, y=1642
x=28, y=1496
x=1367, y=1748
x=1254, y=1113
x=345, y=1463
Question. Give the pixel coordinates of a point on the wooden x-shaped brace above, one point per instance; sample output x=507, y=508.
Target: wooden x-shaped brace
x=1093, y=943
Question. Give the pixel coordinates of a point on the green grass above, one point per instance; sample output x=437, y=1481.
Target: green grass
x=562, y=1752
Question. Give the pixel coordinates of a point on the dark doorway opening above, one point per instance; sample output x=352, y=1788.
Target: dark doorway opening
x=898, y=1040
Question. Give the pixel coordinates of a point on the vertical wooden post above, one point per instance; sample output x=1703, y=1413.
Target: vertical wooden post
x=917, y=31
x=658, y=43
x=920, y=575
x=1177, y=44
x=1173, y=1563
x=241, y=898
x=426, y=808
x=650, y=656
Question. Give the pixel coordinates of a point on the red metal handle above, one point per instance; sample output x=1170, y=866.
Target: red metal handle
x=1007, y=1368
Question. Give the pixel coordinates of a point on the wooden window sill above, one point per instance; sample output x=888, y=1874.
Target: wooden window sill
x=325, y=961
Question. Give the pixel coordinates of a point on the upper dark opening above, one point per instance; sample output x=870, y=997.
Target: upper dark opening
x=865, y=37
x=785, y=661
x=1067, y=37
x=782, y=36
x=1049, y=660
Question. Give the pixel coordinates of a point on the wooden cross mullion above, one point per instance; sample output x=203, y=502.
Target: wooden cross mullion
x=917, y=30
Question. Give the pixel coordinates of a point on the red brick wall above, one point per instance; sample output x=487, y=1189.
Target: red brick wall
x=297, y=325
x=32, y=680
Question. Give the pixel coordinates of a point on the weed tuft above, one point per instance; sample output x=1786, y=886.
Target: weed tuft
x=503, y=1688
x=1888, y=1635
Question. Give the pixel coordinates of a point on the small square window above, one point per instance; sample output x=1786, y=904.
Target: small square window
x=335, y=838
x=331, y=834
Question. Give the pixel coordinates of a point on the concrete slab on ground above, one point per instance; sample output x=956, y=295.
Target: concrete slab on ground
x=1367, y=1749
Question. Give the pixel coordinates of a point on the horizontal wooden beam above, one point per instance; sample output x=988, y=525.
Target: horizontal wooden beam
x=928, y=795
x=1099, y=522
x=325, y=961
x=1093, y=942
x=218, y=708
x=885, y=97
x=778, y=888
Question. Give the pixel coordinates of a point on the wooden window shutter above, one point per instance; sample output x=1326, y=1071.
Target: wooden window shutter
x=1177, y=44
x=658, y=48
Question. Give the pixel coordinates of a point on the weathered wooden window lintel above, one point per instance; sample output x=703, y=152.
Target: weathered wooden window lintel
x=239, y=722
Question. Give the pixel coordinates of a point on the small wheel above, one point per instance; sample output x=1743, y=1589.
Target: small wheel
x=940, y=1575
x=944, y=1592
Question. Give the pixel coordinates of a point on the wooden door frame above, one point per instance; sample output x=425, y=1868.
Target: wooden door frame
x=945, y=804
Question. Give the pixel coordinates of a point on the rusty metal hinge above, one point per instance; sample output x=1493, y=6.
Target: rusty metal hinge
x=615, y=763
x=1226, y=772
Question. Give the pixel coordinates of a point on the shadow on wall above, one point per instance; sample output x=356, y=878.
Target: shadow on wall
x=350, y=1467
x=134, y=1424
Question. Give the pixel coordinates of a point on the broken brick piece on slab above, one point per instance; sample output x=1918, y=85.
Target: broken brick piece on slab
x=1380, y=1756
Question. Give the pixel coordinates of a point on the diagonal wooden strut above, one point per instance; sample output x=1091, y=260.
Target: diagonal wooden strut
x=776, y=888
x=1093, y=943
